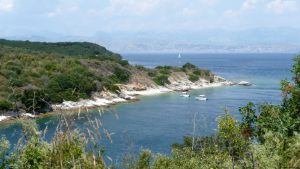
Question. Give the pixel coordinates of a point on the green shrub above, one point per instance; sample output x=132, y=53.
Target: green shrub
x=144, y=160
x=189, y=66
x=123, y=62
x=152, y=73
x=36, y=100
x=6, y=105
x=164, y=67
x=193, y=77
x=161, y=80
x=122, y=75
x=8, y=74
x=165, y=71
x=15, y=68
x=108, y=84
x=18, y=82
x=140, y=67
x=197, y=72
x=50, y=66
x=79, y=83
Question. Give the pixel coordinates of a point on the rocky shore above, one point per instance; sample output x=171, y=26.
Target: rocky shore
x=128, y=93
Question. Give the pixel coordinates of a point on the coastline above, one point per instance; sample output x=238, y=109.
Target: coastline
x=107, y=99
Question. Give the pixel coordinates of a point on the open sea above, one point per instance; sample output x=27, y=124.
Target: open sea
x=156, y=122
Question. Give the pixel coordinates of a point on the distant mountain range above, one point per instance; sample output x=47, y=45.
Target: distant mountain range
x=206, y=41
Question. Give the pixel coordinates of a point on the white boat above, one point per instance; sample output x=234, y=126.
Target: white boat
x=185, y=95
x=201, y=98
x=244, y=83
x=201, y=95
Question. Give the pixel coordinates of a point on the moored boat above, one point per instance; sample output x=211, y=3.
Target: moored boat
x=185, y=95
x=201, y=98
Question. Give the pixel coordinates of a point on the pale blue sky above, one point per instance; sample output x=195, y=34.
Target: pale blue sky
x=89, y=17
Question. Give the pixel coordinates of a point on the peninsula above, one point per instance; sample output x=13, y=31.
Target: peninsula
x=39, y=77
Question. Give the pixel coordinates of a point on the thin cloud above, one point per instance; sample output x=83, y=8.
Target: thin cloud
x=136, y=7
x=246, y=6
x=81, y=17
x=63, y=9
x=282, y=6
x=6, y=5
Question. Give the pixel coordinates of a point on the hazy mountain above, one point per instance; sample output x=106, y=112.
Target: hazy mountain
x=253, y=40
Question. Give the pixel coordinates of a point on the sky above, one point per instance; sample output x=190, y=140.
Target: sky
x=88, y=18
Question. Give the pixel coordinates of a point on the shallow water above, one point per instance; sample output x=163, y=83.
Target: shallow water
x=155, y=122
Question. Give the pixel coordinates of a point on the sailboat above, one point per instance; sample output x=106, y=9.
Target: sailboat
x=179, y=59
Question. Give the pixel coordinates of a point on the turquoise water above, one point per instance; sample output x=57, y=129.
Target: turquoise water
x=155, y=122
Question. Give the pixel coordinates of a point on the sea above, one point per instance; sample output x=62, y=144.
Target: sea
x=156, y=122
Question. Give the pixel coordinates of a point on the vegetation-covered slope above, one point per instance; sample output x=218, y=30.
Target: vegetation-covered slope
x=79, y=49
x=34, y=75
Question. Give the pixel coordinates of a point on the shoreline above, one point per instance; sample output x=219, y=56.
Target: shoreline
x=108, y=99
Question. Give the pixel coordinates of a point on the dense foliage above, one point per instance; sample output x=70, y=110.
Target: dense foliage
x=74, y=49
x=161, y=74
x=194, y=73
x=34, y=75
x=5, y=105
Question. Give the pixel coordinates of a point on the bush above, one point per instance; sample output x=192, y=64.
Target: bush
x=108, y=84
x=140, y=67
x=36, y=100
x=197, y=72
x=193, y=77
x=166, y=70
x=50, y=66
x=124, y=62
x=161, y=80
x=152, y=73
x=122, y=75
x=17, y=82
x=189, y=66
x=6, y=105
x=79, y=83
x=144, y=160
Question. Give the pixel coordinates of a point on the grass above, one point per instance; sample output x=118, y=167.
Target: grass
x=70, y=147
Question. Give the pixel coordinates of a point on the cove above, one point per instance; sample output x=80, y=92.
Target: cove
x=156, y=122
